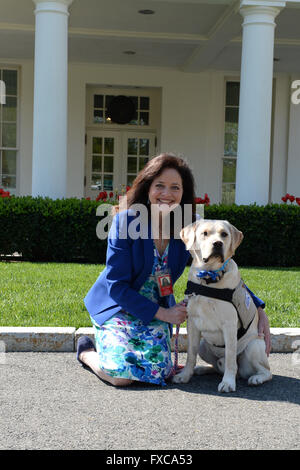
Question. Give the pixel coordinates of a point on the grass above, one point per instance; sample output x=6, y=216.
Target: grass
x=51, y=294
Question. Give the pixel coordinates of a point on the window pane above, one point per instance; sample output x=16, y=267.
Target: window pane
x=9, y=110
x=144, y=102
x=98, y=116
x=132, y=146
x=109, y=164
x=109, y=145
x=144, y=146
x=142, y=162
x=144, y=119
x=9, y=162
x=134, y=121
x=228, y=193
x=96, y=182
x=232, y=115
x=10, y=80
x=131, y=165
x=229, y=170
x=130, y=179
x=97, y=144
x=232, y=93
x=8, y=181
x=134, y=99
x=108, y=182
x=98, y=101
x=231, y=142
x=9, y=137
x=108, y=99
x=97, y=163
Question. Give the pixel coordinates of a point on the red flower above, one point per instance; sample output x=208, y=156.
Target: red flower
x=128, y=188
x=111, y=194
x=4, y=193
x=102, y=195
x=292, y=198
x=298, y=200
x=88, y=198
x=200, y=200
x=284, y=199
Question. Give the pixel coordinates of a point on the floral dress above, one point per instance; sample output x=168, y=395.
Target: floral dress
x=128, y=348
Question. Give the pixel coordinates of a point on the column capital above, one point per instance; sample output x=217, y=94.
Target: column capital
x=271, y=7
x=260, y=11
x=64, y=2
x=263, y=3
x=54, y=6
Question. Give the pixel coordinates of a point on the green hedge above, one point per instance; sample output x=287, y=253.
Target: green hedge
x=271, y=233
x=64, y=230
x=43, y=229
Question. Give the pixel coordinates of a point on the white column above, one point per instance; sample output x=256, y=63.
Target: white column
x=49, y=165
x=253, y=161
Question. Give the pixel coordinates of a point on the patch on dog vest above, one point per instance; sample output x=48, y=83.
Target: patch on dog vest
x=244, y=305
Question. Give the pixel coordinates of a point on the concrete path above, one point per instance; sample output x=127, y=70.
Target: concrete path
x=48, y=401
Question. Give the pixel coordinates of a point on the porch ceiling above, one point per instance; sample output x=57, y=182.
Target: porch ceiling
x=190, y=35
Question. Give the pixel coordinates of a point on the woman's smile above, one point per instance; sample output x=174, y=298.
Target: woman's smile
x=166, y=188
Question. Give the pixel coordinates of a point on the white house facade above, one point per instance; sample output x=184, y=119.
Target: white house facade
x=92, y=89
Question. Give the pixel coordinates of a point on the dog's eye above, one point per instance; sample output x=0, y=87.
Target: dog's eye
x=205, y=233
x=224, y=234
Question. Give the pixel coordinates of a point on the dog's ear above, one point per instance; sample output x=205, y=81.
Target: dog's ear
x=187, y=235
x=236, y=238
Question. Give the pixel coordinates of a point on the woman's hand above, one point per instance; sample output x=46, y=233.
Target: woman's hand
x=175, y=315
x=264, y=329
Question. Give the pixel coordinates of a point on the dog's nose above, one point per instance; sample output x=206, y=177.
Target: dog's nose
x=218, y=244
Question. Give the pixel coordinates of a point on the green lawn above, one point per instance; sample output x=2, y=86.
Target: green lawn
x=51, y=294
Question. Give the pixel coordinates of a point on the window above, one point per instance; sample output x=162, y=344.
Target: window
x=141, y=103
x=230, y=142
x=138, y=154
x=8, y=130
x=103, y=163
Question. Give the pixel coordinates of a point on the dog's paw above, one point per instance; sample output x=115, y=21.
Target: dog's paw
x=227, y=386
x=259, y=379
x=183, y=377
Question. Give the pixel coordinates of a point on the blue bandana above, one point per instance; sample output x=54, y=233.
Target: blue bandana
x=213, y=275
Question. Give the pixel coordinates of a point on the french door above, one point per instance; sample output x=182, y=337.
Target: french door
x=113, y=159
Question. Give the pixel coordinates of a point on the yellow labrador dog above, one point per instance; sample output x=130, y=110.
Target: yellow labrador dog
x=220, y=310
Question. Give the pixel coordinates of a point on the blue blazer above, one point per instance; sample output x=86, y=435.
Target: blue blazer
x=129, y=263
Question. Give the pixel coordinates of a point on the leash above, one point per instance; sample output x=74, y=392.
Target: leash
x=176, y=367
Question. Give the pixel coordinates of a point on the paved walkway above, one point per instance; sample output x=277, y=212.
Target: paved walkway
x=48, y=401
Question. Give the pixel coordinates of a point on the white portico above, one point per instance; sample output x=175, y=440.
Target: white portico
x=209, y=79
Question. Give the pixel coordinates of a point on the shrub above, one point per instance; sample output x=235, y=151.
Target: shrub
x=43, y=229
x=271, y=233
x=64, y=230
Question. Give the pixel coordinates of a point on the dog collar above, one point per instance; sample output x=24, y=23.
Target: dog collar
x=212, y=276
